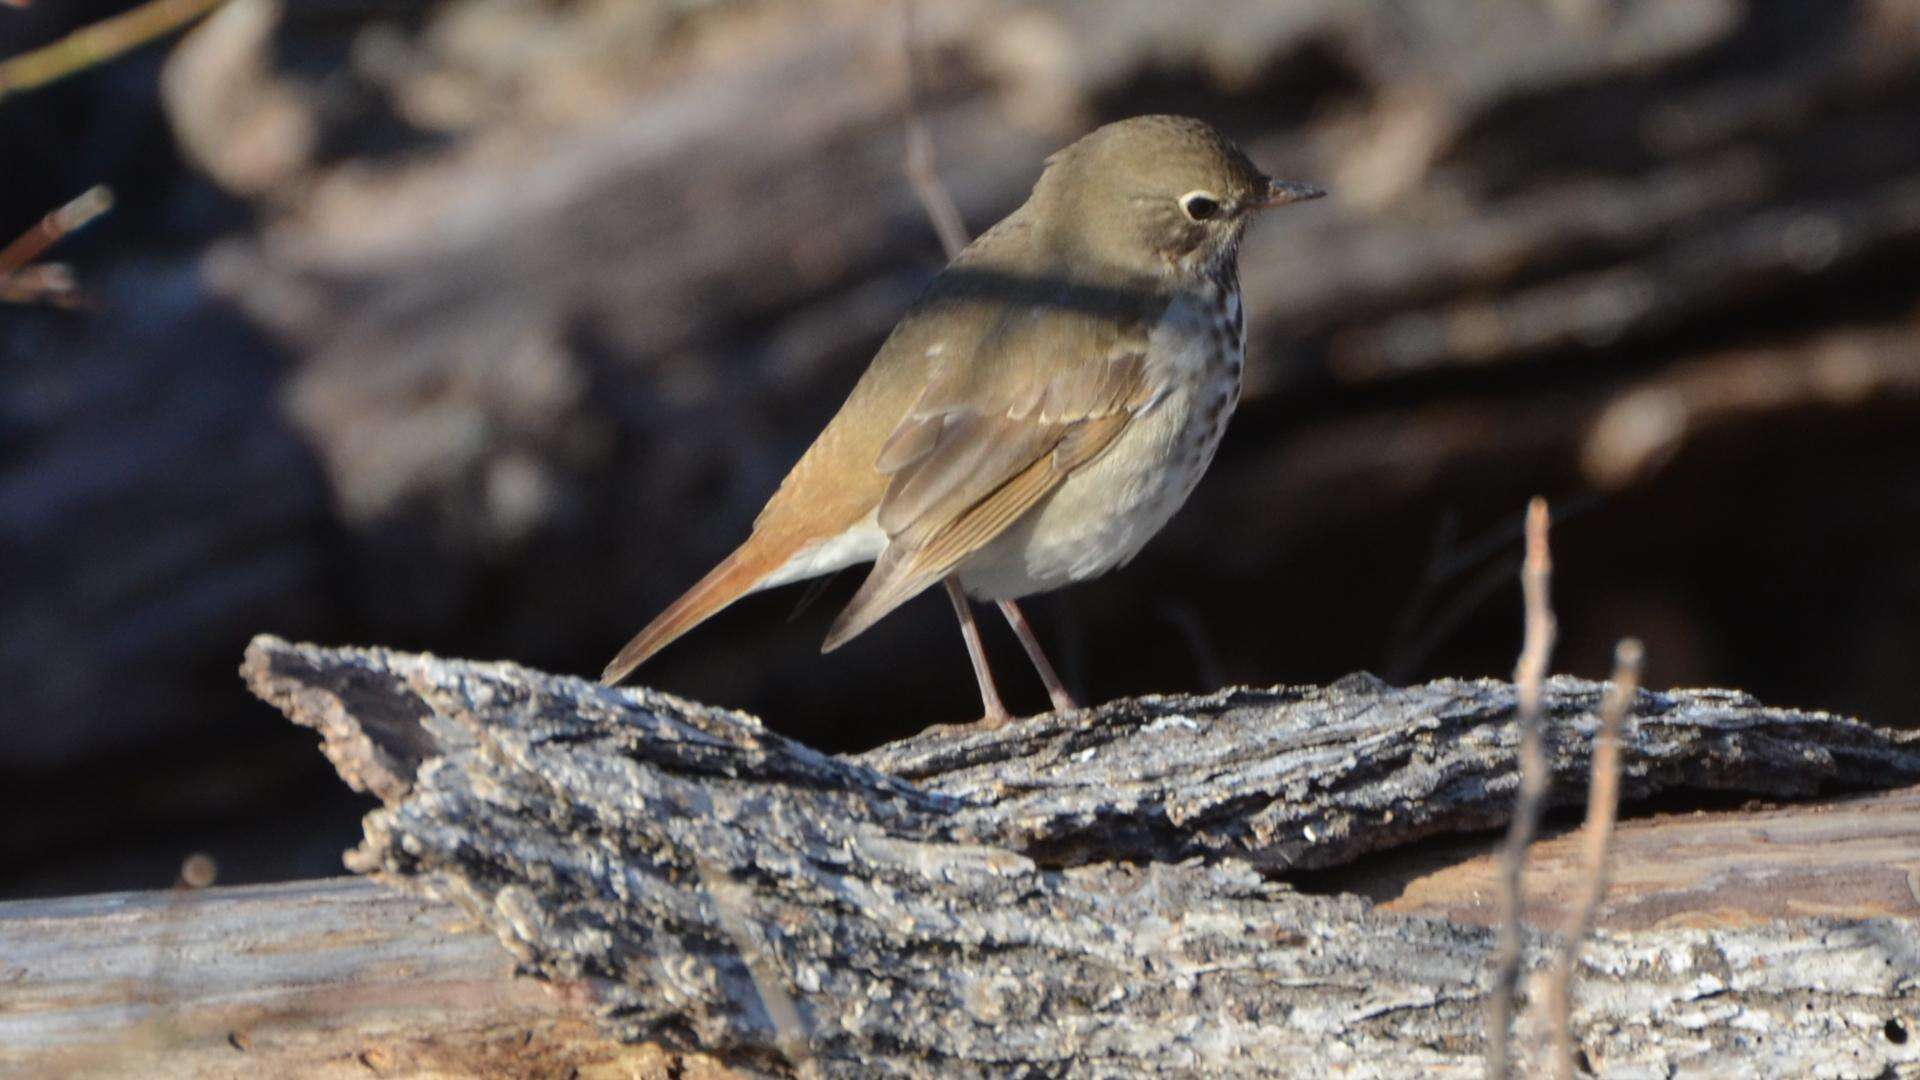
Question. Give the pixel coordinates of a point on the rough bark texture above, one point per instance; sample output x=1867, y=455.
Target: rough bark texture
x=1312, y=777
x=347, y=978
x=1022, y=898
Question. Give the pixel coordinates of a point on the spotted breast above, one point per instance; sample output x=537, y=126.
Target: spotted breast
x=1100, y=517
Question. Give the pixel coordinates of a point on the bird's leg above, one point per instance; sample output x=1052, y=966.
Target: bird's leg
x=1062, y=701
x=996, y=712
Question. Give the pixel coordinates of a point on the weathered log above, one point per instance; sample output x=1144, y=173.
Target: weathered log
x=348, y=978
x=1848, y=857
x=1313, y=777
x=713, y=885
x=323, y=979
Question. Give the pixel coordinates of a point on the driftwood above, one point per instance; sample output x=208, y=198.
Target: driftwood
x=1087, y=894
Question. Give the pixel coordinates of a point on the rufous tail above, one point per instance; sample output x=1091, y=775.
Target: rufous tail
x=737, y=575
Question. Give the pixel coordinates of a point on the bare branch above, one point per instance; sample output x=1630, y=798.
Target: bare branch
x=48, y=282
x=43, y=283
x=1529, y=678
x=921, y=170
x=28, y=246
x=1603, y=804
x=98, y=43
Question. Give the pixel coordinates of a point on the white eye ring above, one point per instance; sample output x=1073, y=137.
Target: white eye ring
x=1200, y=205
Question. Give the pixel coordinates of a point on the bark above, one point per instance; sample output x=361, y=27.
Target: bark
x=1077, y=894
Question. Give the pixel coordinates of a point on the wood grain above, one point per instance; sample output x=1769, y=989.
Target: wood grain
x=340, y=978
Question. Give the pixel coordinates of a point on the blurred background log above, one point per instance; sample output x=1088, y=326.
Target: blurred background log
x=485, y=326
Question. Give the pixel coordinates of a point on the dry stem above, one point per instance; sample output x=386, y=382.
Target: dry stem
x=21, y=283
x=1529, y=678
x=921, y=171
x=1603, y=804
x=98, y=43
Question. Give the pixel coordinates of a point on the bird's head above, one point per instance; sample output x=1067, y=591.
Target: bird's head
x=1158, y=193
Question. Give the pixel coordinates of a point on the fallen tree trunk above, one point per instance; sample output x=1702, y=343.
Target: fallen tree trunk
x=711, y=885
x=348, y=978
x=320, y=979
x=1113, y=892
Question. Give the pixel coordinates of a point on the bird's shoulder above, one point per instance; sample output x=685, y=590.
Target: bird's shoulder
x=1010, y=332
x=1012, y=313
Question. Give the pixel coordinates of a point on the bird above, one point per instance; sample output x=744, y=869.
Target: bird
x=1039, y=412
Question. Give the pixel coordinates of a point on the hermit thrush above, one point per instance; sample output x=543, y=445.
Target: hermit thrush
x=1040, y=412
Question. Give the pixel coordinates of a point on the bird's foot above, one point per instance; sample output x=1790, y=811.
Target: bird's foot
x=992, y=721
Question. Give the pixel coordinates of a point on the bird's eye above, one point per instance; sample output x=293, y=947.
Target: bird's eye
x=1199, y=205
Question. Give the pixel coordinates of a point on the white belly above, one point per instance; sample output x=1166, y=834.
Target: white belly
x=1101, y=516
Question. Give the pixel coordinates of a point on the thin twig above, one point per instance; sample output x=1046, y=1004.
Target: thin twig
x=1405, y=662
x=22, y=283
x=42, y=283
x=1422, y=627
x=921, y=170
x=98, y=43
x=28, y=245
x=1603, y=806
x=1529, y=679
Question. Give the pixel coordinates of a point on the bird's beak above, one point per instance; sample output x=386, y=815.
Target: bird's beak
x=1282, y=192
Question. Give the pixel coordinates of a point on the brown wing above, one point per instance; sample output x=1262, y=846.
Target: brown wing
x=973, y=409
x=995, y=431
